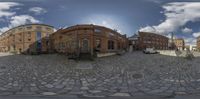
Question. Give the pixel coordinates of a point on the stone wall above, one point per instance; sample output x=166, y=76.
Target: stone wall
x=167, y=52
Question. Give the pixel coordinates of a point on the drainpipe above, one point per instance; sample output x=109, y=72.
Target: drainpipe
x=23, y=41
x=92, y=42
x=77, y=44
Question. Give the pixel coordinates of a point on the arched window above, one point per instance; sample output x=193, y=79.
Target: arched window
x=111, y=45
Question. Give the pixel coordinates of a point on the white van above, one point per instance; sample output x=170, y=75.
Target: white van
x=150, y=51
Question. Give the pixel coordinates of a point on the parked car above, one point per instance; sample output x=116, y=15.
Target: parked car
x=150, y=51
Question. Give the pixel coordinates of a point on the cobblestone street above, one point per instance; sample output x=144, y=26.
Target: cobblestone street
x=132, y=74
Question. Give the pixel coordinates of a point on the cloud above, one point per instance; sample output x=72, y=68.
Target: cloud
x=13, y=20
x=197, y=34
x=106, y=21
x=23, y=0
x=19, y=20
x=177, y=14
x=5, y=7
x=22, y=19
x=37, y=10
x=187, y=30
x=190, y=41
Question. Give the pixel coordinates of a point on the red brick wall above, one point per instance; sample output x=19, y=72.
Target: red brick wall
x=150, y=40
x=91, y=33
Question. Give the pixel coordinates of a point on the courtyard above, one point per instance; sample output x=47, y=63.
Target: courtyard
x=132, y=74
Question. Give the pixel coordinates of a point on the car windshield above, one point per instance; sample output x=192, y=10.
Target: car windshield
x=104, y=49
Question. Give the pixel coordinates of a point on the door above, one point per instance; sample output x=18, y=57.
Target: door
x=85, y=46
x=39, y=42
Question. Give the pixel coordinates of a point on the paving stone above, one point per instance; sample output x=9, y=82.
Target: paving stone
x=59, y=86
x=25, y=93
x=43, y=83
x=180, y=93
x=49, y=86
x=84, y=88
x=2, y=89
x=95, y=91
x=48, y=93
x=121, y=95
x=93, y=96
x=5, y=93
x=122, y=75
x=15, y=85
x=33, y=85
x=76, y=93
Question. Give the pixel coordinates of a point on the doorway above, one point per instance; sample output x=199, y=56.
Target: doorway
x=85, y=46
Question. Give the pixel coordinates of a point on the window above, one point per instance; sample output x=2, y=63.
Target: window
x=110, y=44
x=19, y=29
x=29, y=39
x=47, y=43
x=29, y=27
x=63, y=45
x=14, y=47
x=98, y=44
x=47, y=34
x=97, y=30
x=48, y=29
x=119, y=45
x=39, y=28
x=29, y=34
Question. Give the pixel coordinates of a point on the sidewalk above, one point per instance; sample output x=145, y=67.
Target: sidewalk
x=5, y=54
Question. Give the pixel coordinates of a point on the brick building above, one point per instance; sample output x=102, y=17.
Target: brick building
x=88, y=39
x=152, y=40
x=198, y=43
x=26, y=38
x=179, y=43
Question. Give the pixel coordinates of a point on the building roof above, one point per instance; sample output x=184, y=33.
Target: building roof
x=26, y=25
x=153, y=34
x=80, y=26
x=179, y=39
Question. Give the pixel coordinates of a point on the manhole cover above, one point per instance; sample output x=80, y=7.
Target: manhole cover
x=137, y=76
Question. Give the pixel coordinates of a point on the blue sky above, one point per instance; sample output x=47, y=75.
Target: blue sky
x=127, y=16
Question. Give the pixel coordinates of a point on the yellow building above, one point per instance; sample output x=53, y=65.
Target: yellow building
x=30, y=38
x=180, y=43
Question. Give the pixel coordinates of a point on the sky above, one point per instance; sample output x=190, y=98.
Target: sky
x=182, y=17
